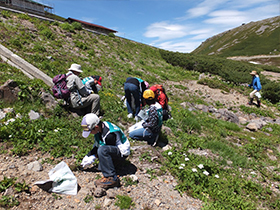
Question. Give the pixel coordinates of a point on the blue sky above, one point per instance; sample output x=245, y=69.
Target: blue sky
x=175, y=25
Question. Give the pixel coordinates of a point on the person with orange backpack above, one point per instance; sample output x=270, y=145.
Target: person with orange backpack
x=162, y=99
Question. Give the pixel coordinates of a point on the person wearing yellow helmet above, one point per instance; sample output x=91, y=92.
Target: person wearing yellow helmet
x=152, y=125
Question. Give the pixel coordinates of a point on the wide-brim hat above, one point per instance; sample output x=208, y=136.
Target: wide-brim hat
x=253, y=73
x=88, y=123
x=75, y=67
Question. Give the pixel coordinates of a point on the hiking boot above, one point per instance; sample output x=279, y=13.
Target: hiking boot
x=108, y=182
x=130, y=115
x=258, y=103
x=250, y=102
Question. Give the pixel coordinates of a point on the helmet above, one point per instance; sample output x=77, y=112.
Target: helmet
x=149, y=94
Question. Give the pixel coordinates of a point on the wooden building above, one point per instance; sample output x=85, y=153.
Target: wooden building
x=93, y=27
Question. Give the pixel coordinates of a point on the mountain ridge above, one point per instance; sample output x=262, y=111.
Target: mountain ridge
x=242, y=40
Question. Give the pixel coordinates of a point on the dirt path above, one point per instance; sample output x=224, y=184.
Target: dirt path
x=241, y=58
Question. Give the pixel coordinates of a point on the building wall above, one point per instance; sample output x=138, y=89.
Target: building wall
x=28, y=5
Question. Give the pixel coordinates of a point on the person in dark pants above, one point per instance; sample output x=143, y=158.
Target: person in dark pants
x=110, y=144
x=151, y=126
x=134, y=87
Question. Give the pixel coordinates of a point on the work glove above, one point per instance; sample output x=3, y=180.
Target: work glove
x=87, y=160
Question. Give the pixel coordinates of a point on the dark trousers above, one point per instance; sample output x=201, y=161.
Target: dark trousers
x=107, y=154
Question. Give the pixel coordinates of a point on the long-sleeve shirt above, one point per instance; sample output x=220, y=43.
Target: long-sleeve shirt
x=153, y=122
x=256, y=83
x=77, y=88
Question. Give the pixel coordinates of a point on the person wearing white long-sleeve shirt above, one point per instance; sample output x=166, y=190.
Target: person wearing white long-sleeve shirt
x=80, y=96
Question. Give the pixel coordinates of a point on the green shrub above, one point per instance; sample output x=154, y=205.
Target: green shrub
x=39, y=48
x=48, y=33
x=271, y=91
x=77, y=26
x=67, y=27
x=124, y=202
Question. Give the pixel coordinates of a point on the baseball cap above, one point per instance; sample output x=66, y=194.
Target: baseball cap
x=88, y=123
x=149, y=94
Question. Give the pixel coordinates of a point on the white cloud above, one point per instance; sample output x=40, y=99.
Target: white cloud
x=205, y=7
x=183, y=46
x=226, y=17
x=165, y=31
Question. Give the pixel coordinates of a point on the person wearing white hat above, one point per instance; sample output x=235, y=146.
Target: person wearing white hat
x=110, y=144
x=256, y=84
x=81, y=97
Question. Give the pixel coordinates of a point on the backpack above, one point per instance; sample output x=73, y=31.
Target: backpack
x=160, y=89
x=60, y=89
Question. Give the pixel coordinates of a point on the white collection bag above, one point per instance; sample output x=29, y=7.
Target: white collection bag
x=62, y=180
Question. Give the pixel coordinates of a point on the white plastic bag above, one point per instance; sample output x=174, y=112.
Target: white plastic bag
x=64, y=181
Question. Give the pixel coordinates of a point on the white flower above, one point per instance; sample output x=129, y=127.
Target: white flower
x=10, y=136
x=253, y=173
x=187, y=159
x=40, y=131
x=206, y=173
x=200, y=166
x=217, y=176
x=181, y=167
x=55, y=130
x=194, y=170
x=19, y=116
x=169, y=153
x=182, y=164
x=185, y=154
x=10, y=120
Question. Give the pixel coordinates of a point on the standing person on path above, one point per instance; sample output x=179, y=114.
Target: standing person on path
x=80, y=96
x=135, y=87
x=256, y=84
x=152, y=125
x=110, y=145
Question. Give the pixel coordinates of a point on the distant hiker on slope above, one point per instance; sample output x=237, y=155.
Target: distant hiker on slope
x=256, y=84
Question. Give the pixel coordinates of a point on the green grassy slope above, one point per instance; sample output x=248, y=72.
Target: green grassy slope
x=254, y=38
x=224, y=181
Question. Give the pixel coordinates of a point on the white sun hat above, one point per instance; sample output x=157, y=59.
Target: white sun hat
x=75, y=67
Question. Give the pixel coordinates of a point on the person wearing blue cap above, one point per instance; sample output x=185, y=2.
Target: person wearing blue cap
x=110, y=144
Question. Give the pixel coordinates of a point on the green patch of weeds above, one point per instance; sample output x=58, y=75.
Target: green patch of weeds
x=128, y=181
x=88, y=199
x=56, y=196
x=124, y=202
x=145, y=156
x=152, y=173
x=257, y=111
x=8, y=201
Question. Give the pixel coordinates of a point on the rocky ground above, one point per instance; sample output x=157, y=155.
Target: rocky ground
x=152, y=191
